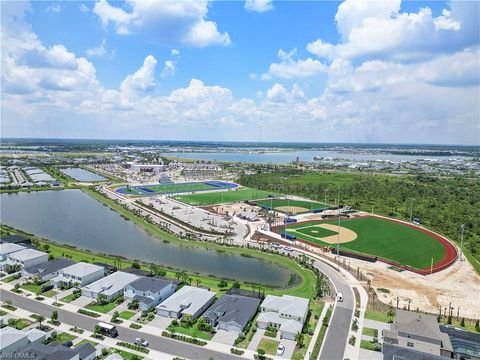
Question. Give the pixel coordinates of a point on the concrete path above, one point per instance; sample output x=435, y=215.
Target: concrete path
x=256, y=340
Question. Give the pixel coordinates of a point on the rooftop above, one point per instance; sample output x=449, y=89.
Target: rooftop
x=286, y=304
x=81, y=269
x=9, y=336
x=239, y=309
x=49, y=266
x=188, y=298
x=111, y=283
x=150, y=284
x=27, y=254
x=7, y=248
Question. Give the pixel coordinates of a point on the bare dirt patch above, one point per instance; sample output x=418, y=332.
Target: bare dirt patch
x=291, y=209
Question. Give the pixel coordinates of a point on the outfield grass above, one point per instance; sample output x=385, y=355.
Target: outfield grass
x=386, y=239
x=168, y=188
x=276, y=203
x=222, y=197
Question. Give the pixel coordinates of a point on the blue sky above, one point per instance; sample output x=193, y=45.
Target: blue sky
x=350, y=71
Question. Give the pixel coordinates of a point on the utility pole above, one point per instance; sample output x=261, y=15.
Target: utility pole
x=411, y=210
x=461, y=242
x=338, y=233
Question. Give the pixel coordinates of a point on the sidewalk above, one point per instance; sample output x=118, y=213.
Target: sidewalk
x=317, y=331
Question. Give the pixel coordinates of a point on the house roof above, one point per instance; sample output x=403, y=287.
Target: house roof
x=27, y=254
x=188, y=298
x=286, y=304
x=81, y=269
x=49, y=266
x=112, y=283
x=35, y=334
x=419, y=324
x=239, y=309
x=9, y=336
x=55, y=351
x=395, y=352
x=150, y=284
x=13, y=239
x=291, y=326
x=8, y=248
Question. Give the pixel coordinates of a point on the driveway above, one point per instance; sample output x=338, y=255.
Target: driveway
x=160, y=322
x=82, y=301
x=225, y=337
x=370, y=355
x=256, y=339
x=289, y=348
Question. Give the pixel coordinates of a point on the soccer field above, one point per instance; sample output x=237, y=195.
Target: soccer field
x=222, y=197
x=291, y=206
x=378, y=237
x=154, y=189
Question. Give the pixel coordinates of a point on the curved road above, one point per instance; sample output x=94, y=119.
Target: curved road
x=159, y=343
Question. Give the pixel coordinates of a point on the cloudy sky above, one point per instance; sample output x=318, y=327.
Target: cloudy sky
x=352, y=71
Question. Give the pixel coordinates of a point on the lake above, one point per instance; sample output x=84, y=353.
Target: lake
x=73, y=217
x=80, y=174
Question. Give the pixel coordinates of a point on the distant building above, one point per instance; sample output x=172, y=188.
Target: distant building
x=151, y=168
x=15, y=239
x=285, y=313
x=248, y=215
x=189, y=302
x=416, y=331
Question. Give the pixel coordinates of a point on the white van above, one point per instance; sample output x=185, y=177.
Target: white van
x=339, y=297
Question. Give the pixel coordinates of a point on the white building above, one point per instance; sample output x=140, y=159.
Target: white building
x=111, y=286
x=285, y=313
x=148, y=291
x=189, y=301
x=9, y=248
x=81, y=273
x=152, y=168
x=12, y=340
x=27, y=258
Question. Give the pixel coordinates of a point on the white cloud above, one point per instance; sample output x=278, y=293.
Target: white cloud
x=54, y=8
x=175, y=53
x=259, y=6
x=83, y=8
x=253, y=76
x=168, y=69
x=166, y=22
x=100, y=51
x=277, y=93
x=289, y=68
x=142, y=80
x=320, y=48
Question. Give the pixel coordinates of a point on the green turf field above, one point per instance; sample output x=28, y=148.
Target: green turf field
x=315, y=232
x=309, y=205
x=170, y=188
x=383, y=238
x=222, y=197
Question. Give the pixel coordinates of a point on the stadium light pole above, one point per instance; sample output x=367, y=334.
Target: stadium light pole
x=338, y=233
x=411, y=210
x=461, y=242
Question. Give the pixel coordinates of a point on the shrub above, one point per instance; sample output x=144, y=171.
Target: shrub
x=236, y=351
x=88, y=313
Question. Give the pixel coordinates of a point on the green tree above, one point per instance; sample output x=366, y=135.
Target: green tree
x=54, y=316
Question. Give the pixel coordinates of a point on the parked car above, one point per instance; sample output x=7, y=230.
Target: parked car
x=339, y=297
x=280, y=349
x=68, y=343
x=287, y=248
x=46, y=288
x=141, y=342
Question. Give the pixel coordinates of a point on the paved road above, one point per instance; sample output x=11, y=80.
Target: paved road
x=159, y=343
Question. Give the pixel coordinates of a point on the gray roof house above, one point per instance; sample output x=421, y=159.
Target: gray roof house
x=15, y=239
x=111, y=286
x=189, y=302
x=47, y=270
x=419, y=332
x=231, y=312
x=55, y=351
x=27, y=257
x=12, y=340
x=80, y=273
x=148, y=291
x=9, y=248
x=286, y=313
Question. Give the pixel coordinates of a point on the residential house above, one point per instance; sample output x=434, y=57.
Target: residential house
x=15, y=239
x=11, y=340
x=188, y=302
x=111, y=285
x=231, y=312
x=149, y=291
x=46, y=270
x=52, y=351
x=80, y=273
x=9, y=248
x=419, y=332
x=26, y=258
x=285, y=313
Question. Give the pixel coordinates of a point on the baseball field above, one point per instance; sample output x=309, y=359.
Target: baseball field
x=386, y=239
x=222, y=197
x=290, y=206
x=172, y=188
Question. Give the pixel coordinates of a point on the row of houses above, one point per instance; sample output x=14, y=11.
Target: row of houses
x=231, y=312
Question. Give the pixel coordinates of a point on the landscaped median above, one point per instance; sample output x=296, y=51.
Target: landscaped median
x=321, y=335
x=184, y=338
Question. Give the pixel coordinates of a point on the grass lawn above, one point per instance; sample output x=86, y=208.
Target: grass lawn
x=368, y=345
x=316, y=308
x=32, y=287
x=64, y=337
x=22, y=324
x=11, y=278
x=124, y=354
x=386, y=239
x=50, y=293
x=369, y=331
x=125, y=314
x=85, y=341
x=70, y=298
x=308, y=205
x=102, y=308
x=374, y=315
x=222, y=197
x=192, y=331
x=270, y=346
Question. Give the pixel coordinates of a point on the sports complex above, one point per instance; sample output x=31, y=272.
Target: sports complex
x=175, y=188
x=397, y=243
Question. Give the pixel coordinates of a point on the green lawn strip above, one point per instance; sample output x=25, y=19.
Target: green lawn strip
x=21, y=324
x=86, y=341
x=64, y=337
x=11, y=278
x=386, y=239
x=369, y=332
x=316, y=308
x=222, y=197
x=191, y=331
x=378, y=316
x=125, y=354
x=270, y=346
x=50, y=293
x=275, y=203
x=70, y=298
x=368, y=345
x=102, y=308
x=32, y=287
x=125, y=314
